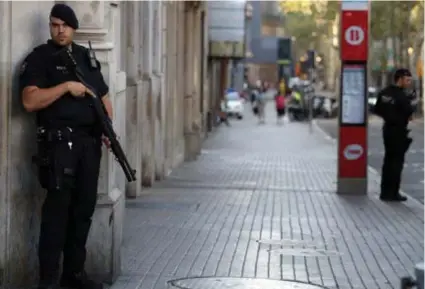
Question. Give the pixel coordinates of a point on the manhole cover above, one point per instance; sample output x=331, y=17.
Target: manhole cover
x=238, y=283
x=306, y=252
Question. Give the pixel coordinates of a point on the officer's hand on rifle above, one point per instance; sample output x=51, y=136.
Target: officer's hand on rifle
x=88, y=91
x=77, y=89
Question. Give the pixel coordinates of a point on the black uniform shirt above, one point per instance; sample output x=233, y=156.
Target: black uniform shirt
x=393, y=106
x=44, y=69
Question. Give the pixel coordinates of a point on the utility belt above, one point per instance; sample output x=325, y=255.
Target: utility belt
x=396, y=127
x=50, y=173
x=51, y=135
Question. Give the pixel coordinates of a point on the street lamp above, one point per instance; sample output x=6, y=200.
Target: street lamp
x=410, y=50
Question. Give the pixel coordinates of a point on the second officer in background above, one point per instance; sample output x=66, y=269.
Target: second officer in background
x=394, y=105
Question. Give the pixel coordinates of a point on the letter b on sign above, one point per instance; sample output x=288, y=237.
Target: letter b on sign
x=354, y=35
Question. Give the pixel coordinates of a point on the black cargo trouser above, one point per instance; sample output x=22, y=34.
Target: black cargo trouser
x=396, y=143
x=69, y=206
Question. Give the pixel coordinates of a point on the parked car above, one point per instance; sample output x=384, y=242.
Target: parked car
x=325, y=107
x=235, y=104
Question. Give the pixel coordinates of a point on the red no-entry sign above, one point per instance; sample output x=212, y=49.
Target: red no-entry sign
x=352, y=153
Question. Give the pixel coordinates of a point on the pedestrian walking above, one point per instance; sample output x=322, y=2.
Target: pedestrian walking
x=396, y=108
x=261, y=103
x=69, y=149
x=223, y=114
x=280, y=102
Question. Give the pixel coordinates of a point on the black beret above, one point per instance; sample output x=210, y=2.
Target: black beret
x=399, y=73
x=66, y=14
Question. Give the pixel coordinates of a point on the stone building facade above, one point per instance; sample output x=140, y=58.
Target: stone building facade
x=264, y=29
x=154, y=58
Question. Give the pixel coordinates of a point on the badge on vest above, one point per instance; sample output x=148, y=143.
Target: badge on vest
x=387, y=99
x=62, y=69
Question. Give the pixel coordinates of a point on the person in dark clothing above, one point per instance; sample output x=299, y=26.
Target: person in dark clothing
x=69, y=149
x=396, y=108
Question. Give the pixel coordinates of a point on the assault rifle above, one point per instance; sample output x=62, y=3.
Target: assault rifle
x=100, y=110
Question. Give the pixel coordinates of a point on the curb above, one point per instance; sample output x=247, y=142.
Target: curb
x=371, y=170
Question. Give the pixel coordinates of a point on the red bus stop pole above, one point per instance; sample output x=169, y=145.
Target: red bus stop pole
x=353, y=112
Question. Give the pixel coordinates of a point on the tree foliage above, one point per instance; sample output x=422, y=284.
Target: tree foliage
x=401, y=22
x=310, y=21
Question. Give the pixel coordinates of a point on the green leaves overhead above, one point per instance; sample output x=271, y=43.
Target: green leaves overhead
x=311, y=21
x=308, y=21
x=392, y=18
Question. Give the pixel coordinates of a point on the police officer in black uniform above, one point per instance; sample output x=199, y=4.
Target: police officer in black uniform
x=69, y=148
x=396, y=107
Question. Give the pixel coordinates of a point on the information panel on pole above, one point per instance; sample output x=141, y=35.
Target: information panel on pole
x=353, y=95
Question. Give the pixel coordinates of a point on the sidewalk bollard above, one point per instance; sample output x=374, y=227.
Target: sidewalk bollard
x=410, y=283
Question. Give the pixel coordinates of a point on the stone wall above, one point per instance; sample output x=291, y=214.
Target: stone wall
x=151, y=57
x=23, y=26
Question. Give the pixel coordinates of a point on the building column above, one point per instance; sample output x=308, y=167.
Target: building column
x=197, y=81
x=158, y=90
x=189, y=133
x=134, y=91
x=204, y=86
x=5, y=122
x=148, y=157
x=181, y=74
x=167, y=66
x=98, y=23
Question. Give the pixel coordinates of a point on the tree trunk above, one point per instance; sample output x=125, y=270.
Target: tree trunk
x=395, y=51
x=404, y=59
x=417, y=49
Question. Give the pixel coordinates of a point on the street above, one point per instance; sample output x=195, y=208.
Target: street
x=259, y=202
x=413, y=172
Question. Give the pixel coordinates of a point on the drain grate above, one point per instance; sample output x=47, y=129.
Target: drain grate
x=238, y=283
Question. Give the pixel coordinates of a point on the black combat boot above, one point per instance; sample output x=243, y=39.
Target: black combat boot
x=399, y=198
x=393, y=198
x=79, y=281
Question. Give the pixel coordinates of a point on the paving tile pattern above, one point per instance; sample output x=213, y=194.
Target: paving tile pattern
x=260, y=202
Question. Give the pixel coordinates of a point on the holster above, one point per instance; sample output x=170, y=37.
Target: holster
x=49, y=175
x=44, y=163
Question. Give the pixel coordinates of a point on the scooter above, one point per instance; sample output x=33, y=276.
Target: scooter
x=296, y=112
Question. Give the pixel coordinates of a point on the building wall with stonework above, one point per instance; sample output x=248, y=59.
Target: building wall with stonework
x=153, y=56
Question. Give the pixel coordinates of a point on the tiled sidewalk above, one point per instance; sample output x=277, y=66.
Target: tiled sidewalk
x=260, y=202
